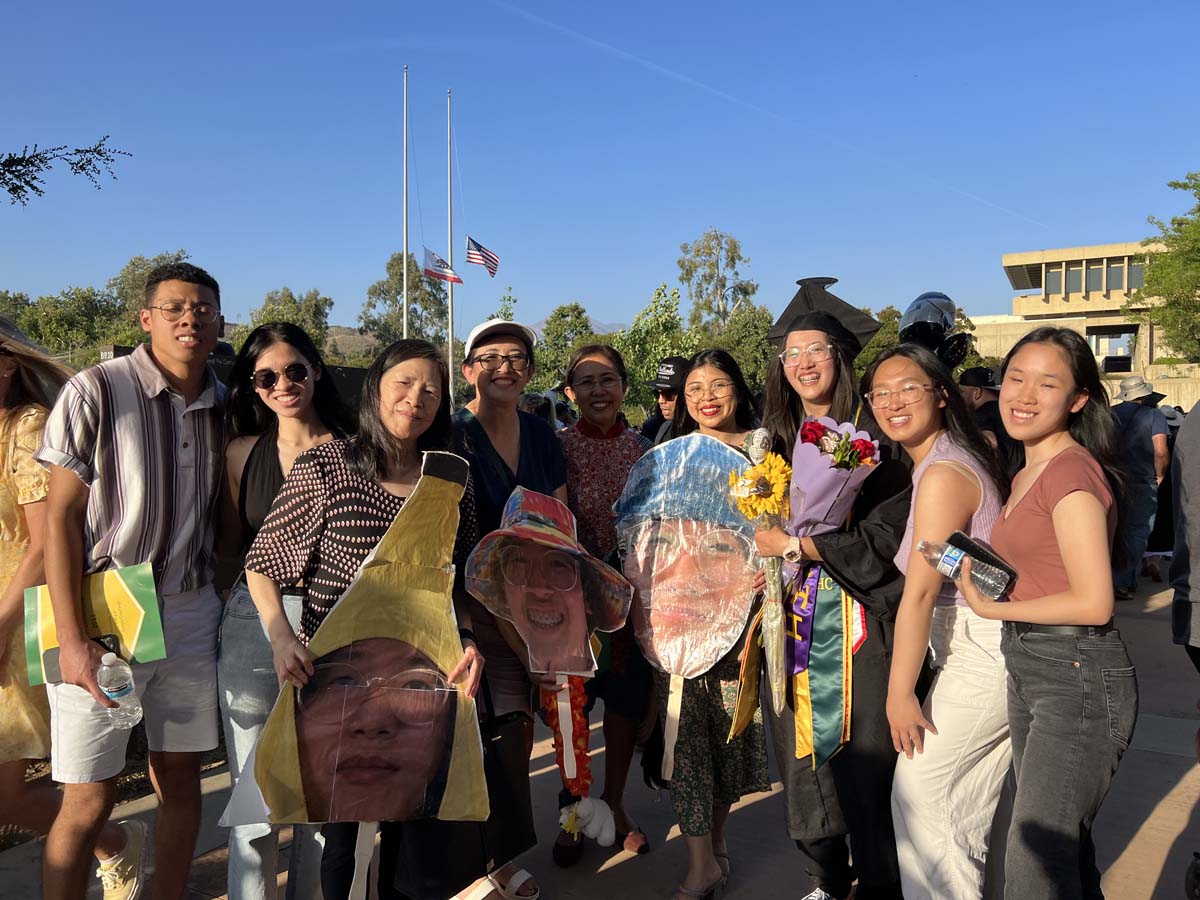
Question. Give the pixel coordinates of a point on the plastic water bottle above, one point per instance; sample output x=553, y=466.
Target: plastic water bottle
x=948, y=560
x=116, y=680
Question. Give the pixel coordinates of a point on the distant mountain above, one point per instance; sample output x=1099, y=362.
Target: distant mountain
x=598, y=327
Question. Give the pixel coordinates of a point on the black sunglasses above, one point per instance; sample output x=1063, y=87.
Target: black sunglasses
x=265, y=379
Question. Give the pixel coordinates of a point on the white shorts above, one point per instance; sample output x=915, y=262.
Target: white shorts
x=179, y=708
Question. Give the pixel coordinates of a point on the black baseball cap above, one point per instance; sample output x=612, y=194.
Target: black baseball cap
x=980, y=376
x=672, y=370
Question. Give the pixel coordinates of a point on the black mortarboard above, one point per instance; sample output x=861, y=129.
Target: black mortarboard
x=814, y=308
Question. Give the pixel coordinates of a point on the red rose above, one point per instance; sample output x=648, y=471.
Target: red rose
x=865, y=448
x=812, y=432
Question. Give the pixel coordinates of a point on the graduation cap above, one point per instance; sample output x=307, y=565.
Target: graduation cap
x=815, y=309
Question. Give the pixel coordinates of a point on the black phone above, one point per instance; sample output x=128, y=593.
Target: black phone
x=52, y=668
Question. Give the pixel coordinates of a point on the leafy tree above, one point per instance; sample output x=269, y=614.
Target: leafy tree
x=888, y=336
x=73, y=322
x=566, y=328
x=507, y=306
x=708, y=268
x=962, y=322
x=657, y=331
x=1170, y=296
x=310, y=311
x=13, y=304
x=383, y=313
x=129, y=288
x=745, y=337
x=21, y=173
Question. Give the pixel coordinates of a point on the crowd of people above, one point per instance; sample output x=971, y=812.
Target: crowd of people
x=980, y=735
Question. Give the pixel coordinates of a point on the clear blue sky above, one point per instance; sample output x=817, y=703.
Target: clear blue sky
x=901, y=147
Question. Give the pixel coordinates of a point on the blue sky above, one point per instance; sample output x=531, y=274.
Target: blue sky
x=899, y=147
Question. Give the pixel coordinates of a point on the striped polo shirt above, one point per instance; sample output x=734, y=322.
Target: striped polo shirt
x=153, y=465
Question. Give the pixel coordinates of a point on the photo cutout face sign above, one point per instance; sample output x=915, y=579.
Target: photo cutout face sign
x=689, y=556
x=378, y=733
x=534, y=573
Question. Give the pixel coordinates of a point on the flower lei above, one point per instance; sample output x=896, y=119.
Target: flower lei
x=582, y=782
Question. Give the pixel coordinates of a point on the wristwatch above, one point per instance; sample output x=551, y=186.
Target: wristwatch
x=793, y=553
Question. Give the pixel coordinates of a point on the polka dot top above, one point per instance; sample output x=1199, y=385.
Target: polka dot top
x=325, y=521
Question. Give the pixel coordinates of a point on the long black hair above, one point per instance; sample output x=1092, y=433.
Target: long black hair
x=370, y=450
x=783, y=410
x=956, y=418
x=746, y=413
x=245, y=412
x=1092, y=427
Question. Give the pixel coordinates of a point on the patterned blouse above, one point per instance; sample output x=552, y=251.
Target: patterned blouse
x=326, y=520
x=598, y=465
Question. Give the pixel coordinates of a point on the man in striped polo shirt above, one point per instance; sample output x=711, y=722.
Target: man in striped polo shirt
x=134, y=447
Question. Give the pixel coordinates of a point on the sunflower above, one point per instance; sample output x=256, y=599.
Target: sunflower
x=762, y=490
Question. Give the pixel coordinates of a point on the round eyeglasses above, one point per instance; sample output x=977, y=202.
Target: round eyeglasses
x=204, y=313
x=265, y=379
x=908, y=395
x=335, y=690
x=817, y=353
x=555, y=569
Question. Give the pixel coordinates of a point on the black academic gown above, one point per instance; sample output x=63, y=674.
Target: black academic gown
x=851, y=793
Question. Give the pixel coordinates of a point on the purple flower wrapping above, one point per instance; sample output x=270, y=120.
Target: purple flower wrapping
x=821, y=495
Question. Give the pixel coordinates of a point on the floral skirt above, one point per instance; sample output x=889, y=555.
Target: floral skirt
x=708, y=769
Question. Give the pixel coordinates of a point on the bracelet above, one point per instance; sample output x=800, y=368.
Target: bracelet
x=468, y=635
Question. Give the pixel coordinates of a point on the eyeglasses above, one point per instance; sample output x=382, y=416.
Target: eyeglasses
x=723, y=554
x=492, y=362
x=909, y=394
x=794, y=356
x=604, y=383
x=416, y=696
x=717, y=389
x=204, y=313
x=265, y=379
x=556, y=570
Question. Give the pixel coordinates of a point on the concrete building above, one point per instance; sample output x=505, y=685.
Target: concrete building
x=1085, y=288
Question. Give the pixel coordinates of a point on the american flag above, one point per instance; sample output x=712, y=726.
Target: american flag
x=481, y=255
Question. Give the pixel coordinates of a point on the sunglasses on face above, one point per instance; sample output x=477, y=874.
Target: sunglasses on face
x=265, y=379
x=666, y=395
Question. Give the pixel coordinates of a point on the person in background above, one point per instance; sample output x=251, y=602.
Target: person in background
x=600, y=450
x=667, y=385
x=1185, y=560
x=1072, y=690
x=29, y=382
x=1143, y=455
x=980, y=387
x=282, y=403
x=541, y=406
x=507, y=448
x=948, y=781
x=1161, y=541
x=134, y=451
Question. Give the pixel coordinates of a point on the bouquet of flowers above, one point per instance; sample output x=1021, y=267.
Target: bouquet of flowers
x=761, y=495
x=830, y=462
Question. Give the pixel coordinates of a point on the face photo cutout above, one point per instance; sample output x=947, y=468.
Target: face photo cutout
x=689, y=556
x=533, y=572
x=378, y=733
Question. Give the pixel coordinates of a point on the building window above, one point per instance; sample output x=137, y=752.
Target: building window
x=1137, y=275
x=1095, y=277
x=1053, y=279
x=1075, y=278
x=1116, y=276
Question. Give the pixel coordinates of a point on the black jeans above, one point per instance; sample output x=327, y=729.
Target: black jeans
x=1072, y=705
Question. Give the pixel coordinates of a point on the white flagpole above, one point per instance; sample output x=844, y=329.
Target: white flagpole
x=405, y=288
x=449, y=256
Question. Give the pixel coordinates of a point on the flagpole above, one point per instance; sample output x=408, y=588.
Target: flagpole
x=405, y=252
x=449, y=254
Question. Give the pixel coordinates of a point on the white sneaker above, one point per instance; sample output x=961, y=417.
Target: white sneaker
x=123, y=876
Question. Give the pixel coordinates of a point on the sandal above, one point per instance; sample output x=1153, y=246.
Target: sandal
x=509, y=889
x=634, y=841
x=713, y=892
x=723, y=862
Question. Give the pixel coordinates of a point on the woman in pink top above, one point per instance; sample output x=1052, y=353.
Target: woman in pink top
x=1072, y=691
x=946, y=785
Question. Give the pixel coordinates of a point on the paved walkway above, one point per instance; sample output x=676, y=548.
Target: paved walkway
x=1145, y=835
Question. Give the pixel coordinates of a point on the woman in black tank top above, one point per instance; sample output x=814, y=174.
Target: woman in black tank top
x=281, y=403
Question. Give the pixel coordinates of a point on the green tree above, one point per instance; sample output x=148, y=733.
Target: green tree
x=1170, y=296
x=566, y=328
x=962, y=322
x=21, y=173
x=657, y=331
x=745, y=337
x=708, y=269
x=73, y=322
x=383, y=313
x=507, y=308
x=310, y=311
x=13, y=305
x=887, y=337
